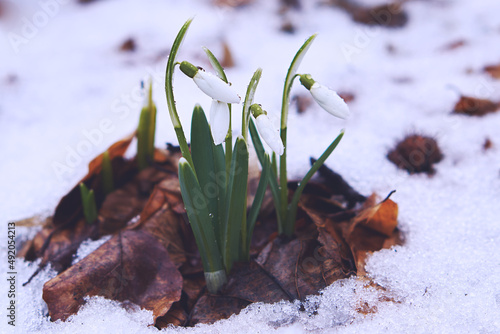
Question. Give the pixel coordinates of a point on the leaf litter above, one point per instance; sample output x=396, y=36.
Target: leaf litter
x=153, y=262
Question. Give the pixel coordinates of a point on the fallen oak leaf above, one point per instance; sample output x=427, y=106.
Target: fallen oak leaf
x=132, y=266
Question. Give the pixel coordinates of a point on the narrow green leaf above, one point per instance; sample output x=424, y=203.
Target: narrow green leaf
x=107, y=174
x=273, y=180
x=142, y=138
x=221, y=179
x=202, y=151
x=152, y=123
x=197, y=211
x=236, y=203
x=169, y=92
x=292, y=208
x=88, y=204
x=257, y=202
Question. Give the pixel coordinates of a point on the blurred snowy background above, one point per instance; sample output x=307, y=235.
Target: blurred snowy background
x=70, y=76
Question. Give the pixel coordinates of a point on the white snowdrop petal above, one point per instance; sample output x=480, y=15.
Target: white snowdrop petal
x=329, y=100
x=214, y=87
x=270, y=134
x=219, y=121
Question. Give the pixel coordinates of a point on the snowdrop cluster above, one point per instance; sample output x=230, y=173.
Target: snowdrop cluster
x=221, y=222
x=223, y=94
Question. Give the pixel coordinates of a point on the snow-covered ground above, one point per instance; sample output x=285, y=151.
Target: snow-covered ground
x=62, y=77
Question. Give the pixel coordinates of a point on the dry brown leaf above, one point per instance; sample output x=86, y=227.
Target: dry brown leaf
x=381, y=217
x=132, y=266
x=209, y=309
x=128, y=45
x=390, y=15
x=454, y=45
x=118, y=149
x=472, y=106
x=176, y=316
x=57, y=244
x=493, y=70
x=302, y=102
x=233, y=3
x=488, y=144
x=297, y=266
x=227, y=57
x=373, y=228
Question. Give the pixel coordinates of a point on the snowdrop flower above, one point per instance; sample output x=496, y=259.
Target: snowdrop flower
x=219, y=121
x=267, y=130
x=325, y=97
x=210, y=84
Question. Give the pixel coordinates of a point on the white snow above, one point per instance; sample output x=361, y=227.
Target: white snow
x=75, y=94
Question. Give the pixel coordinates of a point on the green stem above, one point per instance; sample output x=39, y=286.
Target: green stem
x=273, y=179
x=174, y=116
x=245, y=117
x=290, y=76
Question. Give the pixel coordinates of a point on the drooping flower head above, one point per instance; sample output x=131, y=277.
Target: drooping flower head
x=210, y=84
x=325, y=97
x=267, y=130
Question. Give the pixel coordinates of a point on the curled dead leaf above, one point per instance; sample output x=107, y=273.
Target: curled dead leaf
x=381, y=217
